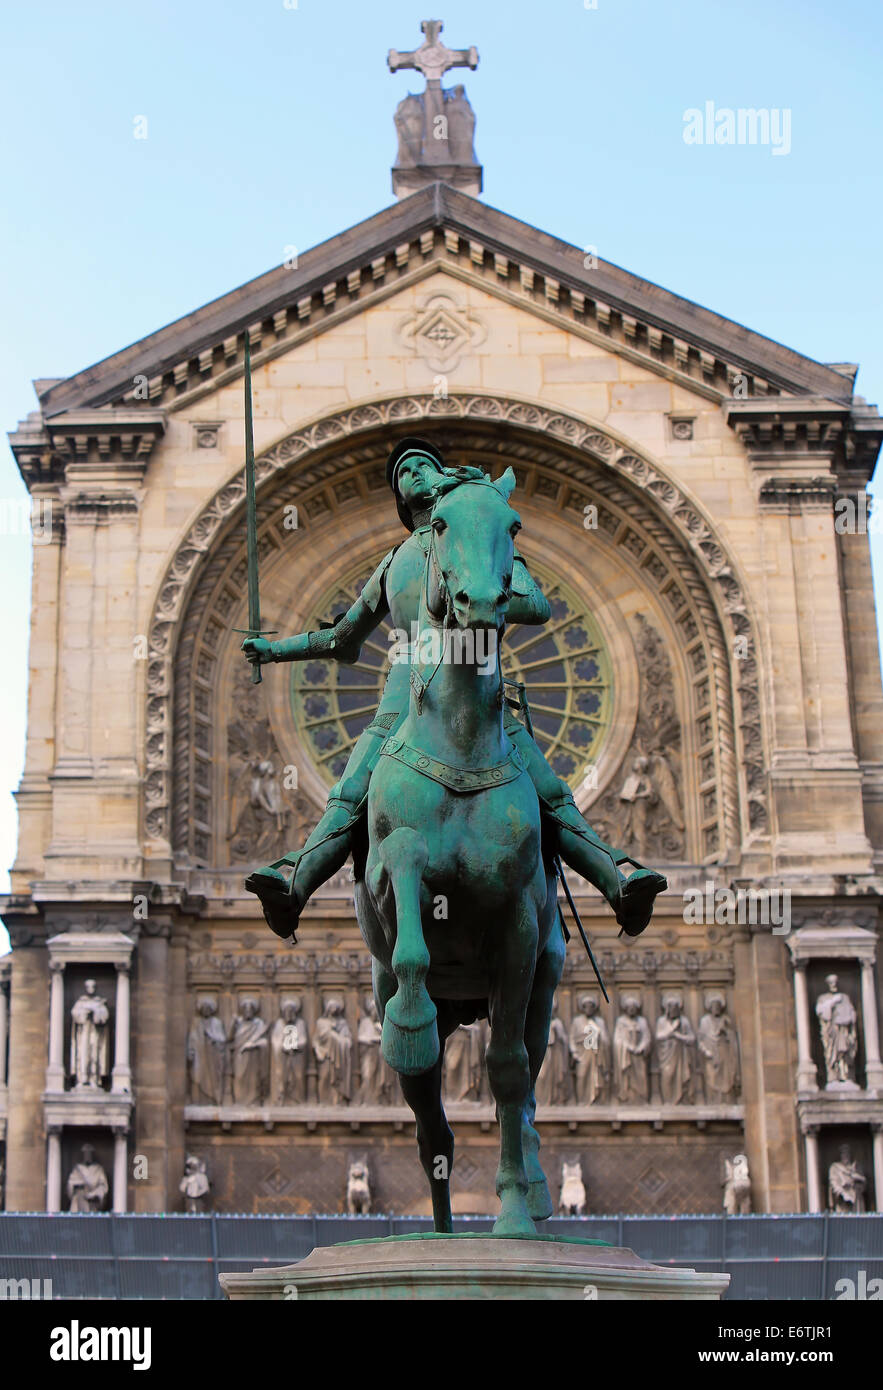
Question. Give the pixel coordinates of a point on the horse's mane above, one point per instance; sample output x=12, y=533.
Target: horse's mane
x=455, y=477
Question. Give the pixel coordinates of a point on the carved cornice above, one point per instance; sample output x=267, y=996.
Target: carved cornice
x=672, y=518
x=93, y=507
x=797, y=494
x=107, y=445
x=845, y=435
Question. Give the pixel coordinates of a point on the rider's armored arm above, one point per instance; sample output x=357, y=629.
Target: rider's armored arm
x=343, y=641
x=528, y=603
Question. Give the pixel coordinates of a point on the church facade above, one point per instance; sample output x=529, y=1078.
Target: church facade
x=692, y=496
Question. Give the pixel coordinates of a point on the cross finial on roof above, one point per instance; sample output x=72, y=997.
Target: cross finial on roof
x=433, y=58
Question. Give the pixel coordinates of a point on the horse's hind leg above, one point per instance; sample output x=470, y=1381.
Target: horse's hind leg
x=536, y=1037
x=509, y=1070
x=409, y=1040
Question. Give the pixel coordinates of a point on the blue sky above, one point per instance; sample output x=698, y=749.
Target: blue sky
x=269, y=124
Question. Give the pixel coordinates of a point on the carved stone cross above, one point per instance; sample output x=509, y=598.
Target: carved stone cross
x=432, y=58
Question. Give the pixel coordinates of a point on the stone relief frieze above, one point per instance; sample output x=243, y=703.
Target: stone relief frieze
x=646, y=806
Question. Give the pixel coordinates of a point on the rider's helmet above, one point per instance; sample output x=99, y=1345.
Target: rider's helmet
x=406, y=448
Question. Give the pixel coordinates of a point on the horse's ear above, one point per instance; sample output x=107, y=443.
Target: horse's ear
x=506, y=483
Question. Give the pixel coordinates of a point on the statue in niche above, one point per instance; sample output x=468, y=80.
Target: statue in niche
x=90, y=1048
x=590, y=1050
x=207, y=1052
x=737, y=1186
x=464, y=1062
x=289, y=1047
x=718, y=1044
x=333, y=1049
x=194, y=1185
x=572, y=1199
x=374, y=1077
x=358, y=1188
x=554, y=1083
x=846, y=1184
x=87, y=1185
x=250, y=1054
x=675, y=1041
x=631, y=1050
x=838, y=1026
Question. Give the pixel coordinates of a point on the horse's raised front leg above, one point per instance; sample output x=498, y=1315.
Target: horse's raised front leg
x=409, y=1040
x=509, y=1070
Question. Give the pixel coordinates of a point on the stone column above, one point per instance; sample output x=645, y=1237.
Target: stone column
x=53, y=1170
x=873, y=1064
x=120, y=1169
x=4, y=1033
x=813, y=1180
x=878, y=1167
x=55, y=1069
x=807, y=1075
x=121, y=1078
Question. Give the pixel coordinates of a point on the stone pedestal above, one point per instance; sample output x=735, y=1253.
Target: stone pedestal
x=473, y=1267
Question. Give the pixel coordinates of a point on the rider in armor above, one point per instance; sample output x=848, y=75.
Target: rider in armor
x=417, y=474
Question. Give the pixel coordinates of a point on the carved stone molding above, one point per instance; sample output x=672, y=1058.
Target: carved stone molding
x=671, y=519
x=441, y=331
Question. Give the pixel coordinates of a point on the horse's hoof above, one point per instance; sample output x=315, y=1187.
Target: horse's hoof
x=409, y=1051
x=539, y=1200
x=514, y=1224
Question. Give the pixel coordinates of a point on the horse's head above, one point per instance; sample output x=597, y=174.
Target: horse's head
x=473, y=544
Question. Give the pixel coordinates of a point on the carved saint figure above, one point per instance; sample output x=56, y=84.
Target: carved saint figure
x=737, y=1186
x=590, y=1050
x=675, y=1041
x=358, y=1188
x=89, y=1039
x=631, y=1048
x=837, y=1024
x=289, y=1045
x=250, y=1049
x=409, y=129
x=373, y=1076
x=846, y=1184
x=333, y=1047
x=461, y=126
x=207, y=1054
x=554, y=1083
x=719, y=1052
x=572, y=1199
x=464, y=1055
x=195, y=1184
x=87, y=1185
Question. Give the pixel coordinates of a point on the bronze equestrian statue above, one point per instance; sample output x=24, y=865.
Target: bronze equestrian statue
x=462, y=809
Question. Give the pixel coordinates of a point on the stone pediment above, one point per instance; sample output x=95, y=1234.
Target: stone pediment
x=440, y=227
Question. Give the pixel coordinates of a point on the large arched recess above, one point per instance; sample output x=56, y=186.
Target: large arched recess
x=332, y=471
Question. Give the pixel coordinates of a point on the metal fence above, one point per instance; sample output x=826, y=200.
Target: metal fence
x=180, y=1257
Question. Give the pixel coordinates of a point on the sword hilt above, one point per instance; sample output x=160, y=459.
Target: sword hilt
x=256, y=676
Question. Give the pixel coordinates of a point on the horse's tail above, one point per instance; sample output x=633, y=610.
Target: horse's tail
x=409, y=1040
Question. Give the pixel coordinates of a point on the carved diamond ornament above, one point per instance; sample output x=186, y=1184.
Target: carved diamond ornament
x=441, y=332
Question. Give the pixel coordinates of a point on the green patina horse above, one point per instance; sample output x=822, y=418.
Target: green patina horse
x=454, y=896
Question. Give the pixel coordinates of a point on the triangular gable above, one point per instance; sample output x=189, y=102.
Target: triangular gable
x=433, y=227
